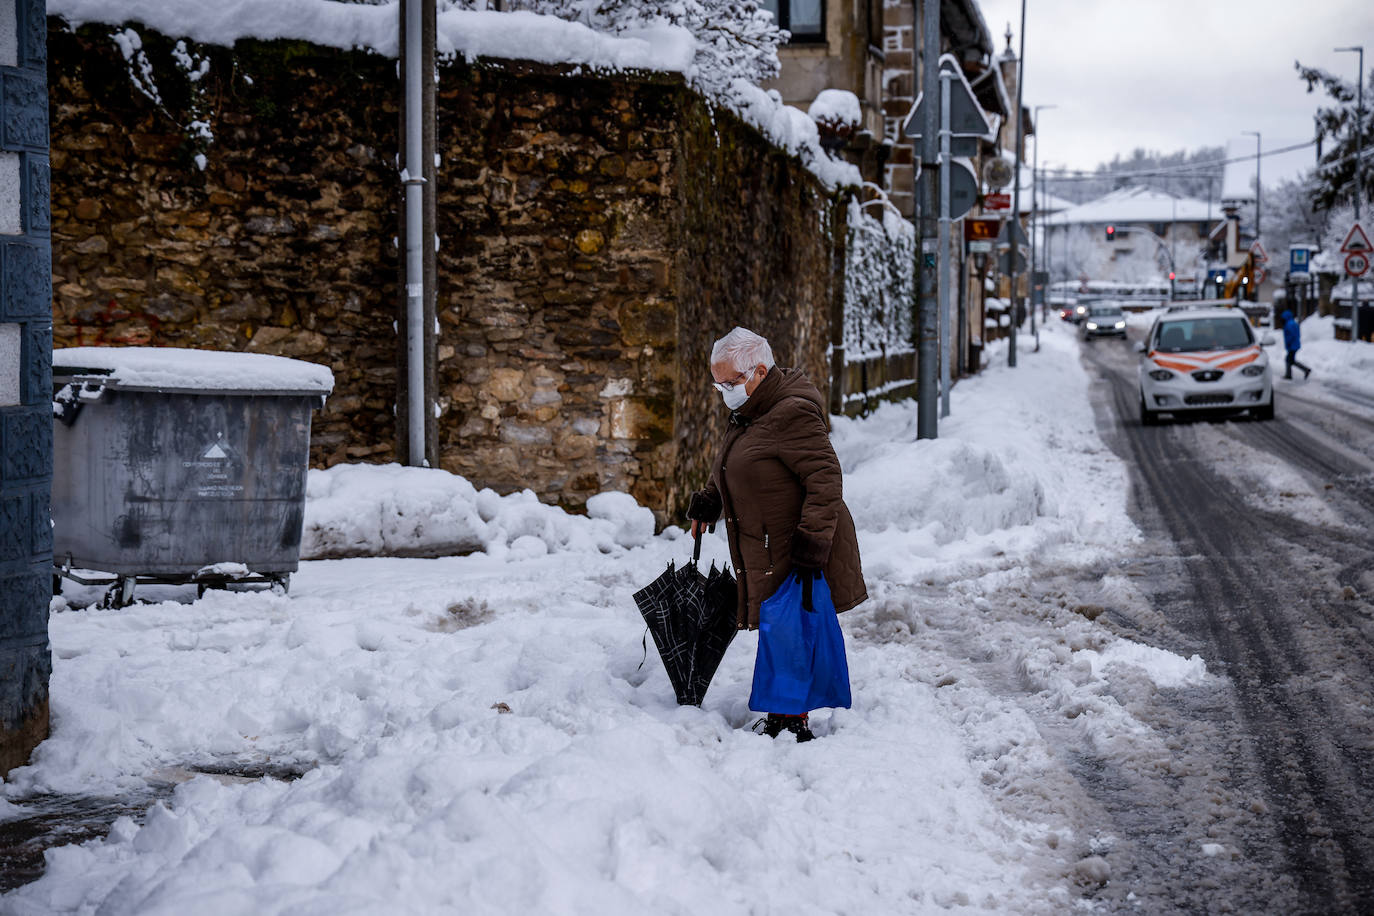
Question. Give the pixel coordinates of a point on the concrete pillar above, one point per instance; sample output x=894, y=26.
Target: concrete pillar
x=25, y=381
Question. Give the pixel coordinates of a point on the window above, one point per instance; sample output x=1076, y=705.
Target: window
x=805, y=19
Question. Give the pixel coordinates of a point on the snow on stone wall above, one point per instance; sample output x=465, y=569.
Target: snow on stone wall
x=878, y=283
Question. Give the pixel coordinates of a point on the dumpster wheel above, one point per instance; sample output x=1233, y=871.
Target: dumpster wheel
x=121, y=594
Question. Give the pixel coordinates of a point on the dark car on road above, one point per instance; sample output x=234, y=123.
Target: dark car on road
x=1103, y=319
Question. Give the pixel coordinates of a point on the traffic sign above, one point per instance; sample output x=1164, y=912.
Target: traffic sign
x=1356, y=263
x=979, y=246
x=980, y=229
x=1257, y=251
x=1299, y=259
x=1260, y=275
x=1004, y=237
x=966, y=118
x=963, y=189
x=1356, y=240
x=996, y=202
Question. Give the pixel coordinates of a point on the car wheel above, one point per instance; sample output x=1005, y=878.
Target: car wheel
x=1148, y=417
x=1267, y=411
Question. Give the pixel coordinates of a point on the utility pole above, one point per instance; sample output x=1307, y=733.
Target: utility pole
x=1355, y=328
x=1258, y=187
x=927, y=313
x=1016, y=191
x=416, y=314
x=943, y=260
x=1036, y=223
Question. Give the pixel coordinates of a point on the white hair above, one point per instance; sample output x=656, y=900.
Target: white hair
x=742, y=349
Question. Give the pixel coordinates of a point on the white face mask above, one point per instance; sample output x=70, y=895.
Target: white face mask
x=735, y=397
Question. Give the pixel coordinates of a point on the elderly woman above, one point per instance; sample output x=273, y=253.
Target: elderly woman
x=777, y=482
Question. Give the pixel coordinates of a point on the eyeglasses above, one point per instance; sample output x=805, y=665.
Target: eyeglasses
x=723, y=387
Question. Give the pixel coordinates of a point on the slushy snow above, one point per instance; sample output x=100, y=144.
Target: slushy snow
x=483, y=733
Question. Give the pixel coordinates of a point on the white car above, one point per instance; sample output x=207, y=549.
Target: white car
x=1204, y=359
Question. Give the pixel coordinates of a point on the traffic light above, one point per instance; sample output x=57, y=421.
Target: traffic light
x=1111, y=233
x=1171, y=275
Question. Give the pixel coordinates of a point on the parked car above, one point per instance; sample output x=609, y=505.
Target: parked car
x=1204, y=360
x=1103, y=319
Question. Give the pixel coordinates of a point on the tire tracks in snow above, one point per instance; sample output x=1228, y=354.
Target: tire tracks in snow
x=1244, y=592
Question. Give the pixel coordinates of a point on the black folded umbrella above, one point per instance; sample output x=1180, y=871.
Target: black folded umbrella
x=692, y=619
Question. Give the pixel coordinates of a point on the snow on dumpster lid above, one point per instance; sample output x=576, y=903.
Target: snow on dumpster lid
x=178, y=369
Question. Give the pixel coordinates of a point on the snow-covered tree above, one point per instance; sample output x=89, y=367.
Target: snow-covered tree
x=1336, y=137
x=1291, y=216
x=735, y=38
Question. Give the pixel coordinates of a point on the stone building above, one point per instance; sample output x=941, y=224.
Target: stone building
x=837, y=45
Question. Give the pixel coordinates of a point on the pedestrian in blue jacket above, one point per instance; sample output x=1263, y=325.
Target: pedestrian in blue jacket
x=1292, y=342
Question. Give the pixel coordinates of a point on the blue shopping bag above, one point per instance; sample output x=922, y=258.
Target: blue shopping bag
x=800, y=664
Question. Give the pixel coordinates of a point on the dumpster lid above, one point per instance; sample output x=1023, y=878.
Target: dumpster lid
x=176, y=369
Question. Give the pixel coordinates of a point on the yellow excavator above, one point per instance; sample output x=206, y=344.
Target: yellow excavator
x=1243, y=280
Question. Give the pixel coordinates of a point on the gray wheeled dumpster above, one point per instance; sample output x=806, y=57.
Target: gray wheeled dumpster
x=179, y=466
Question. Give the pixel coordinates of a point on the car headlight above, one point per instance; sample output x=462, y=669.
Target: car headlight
x=1081, y=309
x=1160, y=375
x=1092, y=326
x=1119, y=325
x=1252, y=370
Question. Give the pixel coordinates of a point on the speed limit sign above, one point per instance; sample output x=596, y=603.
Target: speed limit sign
x=1356, y=263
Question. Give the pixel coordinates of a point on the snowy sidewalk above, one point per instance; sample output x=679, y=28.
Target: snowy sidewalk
x=481, y=738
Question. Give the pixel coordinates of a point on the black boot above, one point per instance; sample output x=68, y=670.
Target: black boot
x=776, y=724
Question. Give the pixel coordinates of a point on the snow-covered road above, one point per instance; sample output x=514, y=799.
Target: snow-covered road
x=477, y=735
x=1257, y=557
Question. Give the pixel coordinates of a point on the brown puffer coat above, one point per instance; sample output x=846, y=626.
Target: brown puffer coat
x=777, y=482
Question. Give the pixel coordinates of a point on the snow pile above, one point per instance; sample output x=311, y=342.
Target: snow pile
x=358, y=510
x=1022, y=473
x=480, y=734
x=174, y=368
x=474, y=34
x=837, y=108
x=1165, y=669
x=789, y=129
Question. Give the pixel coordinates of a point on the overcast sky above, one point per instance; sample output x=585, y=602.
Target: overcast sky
x=1176, y=74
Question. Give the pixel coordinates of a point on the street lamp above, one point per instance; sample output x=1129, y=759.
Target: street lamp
x=1355, y=328
x=1036, y=223
x=1256, y=135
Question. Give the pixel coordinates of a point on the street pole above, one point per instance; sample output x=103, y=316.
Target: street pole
x=1355, y=328
x=943, y=258
x=417, y=69
x=1036, y=222
x=927, y=313
x=1016, y=189
x=1258, y=186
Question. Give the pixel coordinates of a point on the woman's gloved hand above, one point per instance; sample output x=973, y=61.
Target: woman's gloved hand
x=703, y=509
x=808, y=576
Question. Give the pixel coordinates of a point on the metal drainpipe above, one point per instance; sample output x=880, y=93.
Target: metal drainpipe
x=412, y=177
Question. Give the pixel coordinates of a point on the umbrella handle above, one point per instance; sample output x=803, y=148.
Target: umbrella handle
x=696, y=549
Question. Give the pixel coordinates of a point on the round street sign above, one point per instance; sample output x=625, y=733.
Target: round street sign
x=1356, y=263
x=1261, y=275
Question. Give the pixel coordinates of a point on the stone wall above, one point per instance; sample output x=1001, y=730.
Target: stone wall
x=597, y=233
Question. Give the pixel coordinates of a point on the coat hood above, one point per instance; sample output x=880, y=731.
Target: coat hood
x=778, y=385
x=1287, y=314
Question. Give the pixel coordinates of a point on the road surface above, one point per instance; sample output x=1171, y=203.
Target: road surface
x=1259, y=544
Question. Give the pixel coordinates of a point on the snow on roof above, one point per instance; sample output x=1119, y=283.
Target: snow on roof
x=1137, y=205
x=177, y=369
x=474, y=34
x=1238, y=178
